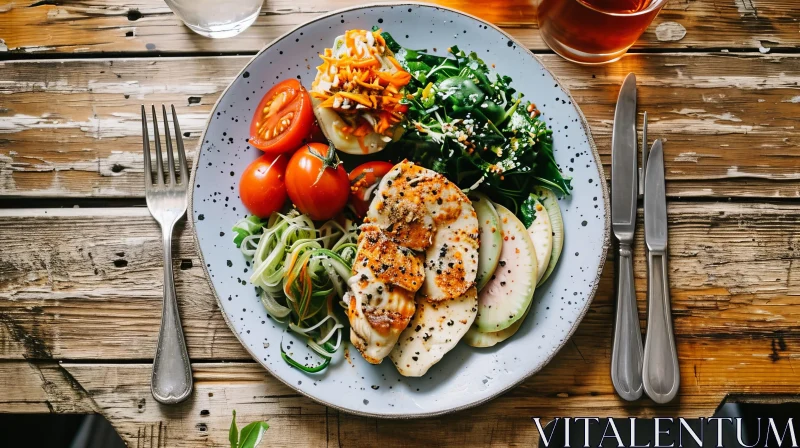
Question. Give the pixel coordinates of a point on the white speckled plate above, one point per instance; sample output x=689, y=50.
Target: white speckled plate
x=466, y=376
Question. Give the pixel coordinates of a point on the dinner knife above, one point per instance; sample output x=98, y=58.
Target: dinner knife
x=626, y=351
x=660, y=373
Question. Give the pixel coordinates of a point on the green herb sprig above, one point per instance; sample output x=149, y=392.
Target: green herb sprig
x=249, y=437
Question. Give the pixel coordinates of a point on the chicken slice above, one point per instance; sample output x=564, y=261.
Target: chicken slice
x=400, y=212
x=412, y=199
x=390, y=263
x=381, y=298
x=435, y=329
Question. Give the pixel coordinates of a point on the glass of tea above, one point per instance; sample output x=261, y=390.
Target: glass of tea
x=594, y=31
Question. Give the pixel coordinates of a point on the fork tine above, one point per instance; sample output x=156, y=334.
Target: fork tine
x=170, y=158
x=159, y=160
x=148, y=173
x=179, y=143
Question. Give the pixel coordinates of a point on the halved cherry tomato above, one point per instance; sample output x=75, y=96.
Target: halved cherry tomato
x=317, y=182
x=262, y=187
x=283, y=118
x=364, y=180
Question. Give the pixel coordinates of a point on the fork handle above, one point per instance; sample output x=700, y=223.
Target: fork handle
x=626, y=351
x=172, y=373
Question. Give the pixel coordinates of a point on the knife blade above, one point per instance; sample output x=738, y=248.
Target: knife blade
x=655, y=200
x=660, y=371
x=624, y=172
x=626, y=351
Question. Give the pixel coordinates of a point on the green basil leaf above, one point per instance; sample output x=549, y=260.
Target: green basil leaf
x=251, y=434
x=233, y=434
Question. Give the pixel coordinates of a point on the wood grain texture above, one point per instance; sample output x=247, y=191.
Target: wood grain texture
x=42, y=387
x=95, y=274
x=149, y=26
x=72, y=128
x=575, y=383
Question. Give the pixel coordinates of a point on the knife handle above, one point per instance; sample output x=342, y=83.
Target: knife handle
x=626, y=352
x=660, y=372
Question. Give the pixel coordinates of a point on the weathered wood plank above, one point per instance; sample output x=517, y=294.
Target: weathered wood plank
x=576, y=382
x=101, y=274
x=72, y=128
x=42, y=387
x=505, y=421
x=122, y=394
x=98, y=272
x=148, y=25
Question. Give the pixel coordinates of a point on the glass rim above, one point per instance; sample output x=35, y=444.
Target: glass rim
x=652, y=6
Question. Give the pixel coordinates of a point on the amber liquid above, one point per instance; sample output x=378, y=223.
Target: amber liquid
x=594, y=31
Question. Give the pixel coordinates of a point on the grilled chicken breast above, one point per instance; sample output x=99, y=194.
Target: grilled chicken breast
x=381, y=297
x=422, y=210
x=417, y=215
x=435, y=329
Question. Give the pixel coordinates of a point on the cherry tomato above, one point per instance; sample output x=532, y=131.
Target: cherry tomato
x=262, y=187
x=284, y=118
x=364, y=180
x=317, y=182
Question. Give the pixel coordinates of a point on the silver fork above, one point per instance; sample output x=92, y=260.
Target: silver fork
x=172, y=374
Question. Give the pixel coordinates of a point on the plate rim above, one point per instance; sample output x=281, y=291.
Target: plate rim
x=600, y=171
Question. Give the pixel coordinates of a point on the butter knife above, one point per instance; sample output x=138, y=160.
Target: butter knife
x=626, y=351
x=660, y=373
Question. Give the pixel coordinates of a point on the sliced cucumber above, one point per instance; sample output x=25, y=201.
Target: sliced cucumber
x=475, y=338
x=509, y=292
x=541, y=233
x=550, y=202
x=490, y=236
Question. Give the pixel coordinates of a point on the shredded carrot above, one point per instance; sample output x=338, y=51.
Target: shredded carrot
x=365, y=74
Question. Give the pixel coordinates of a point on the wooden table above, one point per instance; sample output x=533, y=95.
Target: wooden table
x=80, y=257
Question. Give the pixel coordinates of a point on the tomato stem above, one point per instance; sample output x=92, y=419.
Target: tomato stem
x=329, y=160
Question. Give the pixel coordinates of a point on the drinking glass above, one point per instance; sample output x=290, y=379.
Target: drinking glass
x=216, y=18
x=594, y=31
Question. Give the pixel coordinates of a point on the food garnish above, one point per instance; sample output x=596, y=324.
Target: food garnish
x=357, y=92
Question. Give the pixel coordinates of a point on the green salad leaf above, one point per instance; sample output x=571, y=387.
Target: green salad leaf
x=470, y=125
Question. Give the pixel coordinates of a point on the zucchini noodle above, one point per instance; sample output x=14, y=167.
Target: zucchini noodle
x=301, y=273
